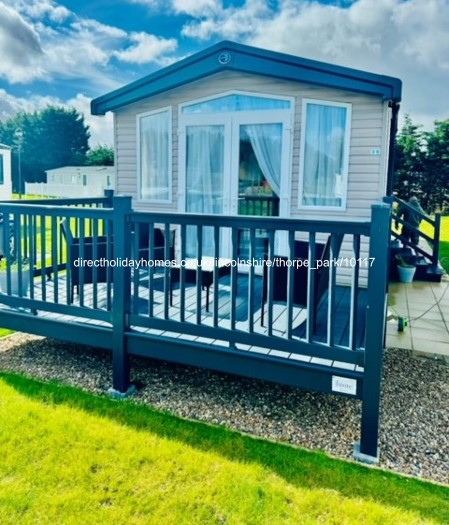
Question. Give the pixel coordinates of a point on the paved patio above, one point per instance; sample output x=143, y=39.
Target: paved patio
x=426, y=306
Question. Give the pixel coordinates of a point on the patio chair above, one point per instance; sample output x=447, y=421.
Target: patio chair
x=159, y=243
x=300, y=276
x=92, y=247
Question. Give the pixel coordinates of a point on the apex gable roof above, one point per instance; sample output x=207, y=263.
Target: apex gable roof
x=238, y=57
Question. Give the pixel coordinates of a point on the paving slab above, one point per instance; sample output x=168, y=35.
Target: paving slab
x=426, y=308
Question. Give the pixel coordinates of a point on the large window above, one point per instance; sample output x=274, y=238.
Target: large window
x=324, y=154
x=154, y=151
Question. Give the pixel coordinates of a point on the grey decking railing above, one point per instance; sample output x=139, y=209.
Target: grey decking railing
x=132, y=312
x=434, y=241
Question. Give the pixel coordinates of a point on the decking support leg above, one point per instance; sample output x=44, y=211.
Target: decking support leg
x=367, y=450
x=121, y=377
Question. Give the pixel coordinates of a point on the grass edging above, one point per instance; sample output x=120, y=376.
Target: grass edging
x=297, y=466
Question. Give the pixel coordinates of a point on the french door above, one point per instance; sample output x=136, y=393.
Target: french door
x=235, y=164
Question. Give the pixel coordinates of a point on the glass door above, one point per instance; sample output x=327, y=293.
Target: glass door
x=235, y=160
x=205, y=178
x=261, y=176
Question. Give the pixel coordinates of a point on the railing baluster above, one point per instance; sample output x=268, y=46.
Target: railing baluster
x=32, y=246
x=353, y=315
x=43, y=231
x=311, y=284
x=19, y=251
x=69, y=262
x=182, y=273
x=54, y=257
x=82, y=245
x=109, y=255
x=151, y=256
x=34, y=234
x=167, y=272
x=251, y=288
x=436, y=240
x=290, y=283
x=136, y=271
x=215, y=272
x=234, y=277
x=93, y=233
x=331, y=293
x=199, y=274
x=270, y=282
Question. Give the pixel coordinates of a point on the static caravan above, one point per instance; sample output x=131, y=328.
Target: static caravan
x=70, y=181
x=237, y=130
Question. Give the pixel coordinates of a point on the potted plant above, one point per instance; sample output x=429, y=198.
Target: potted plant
x=10, y=270
x=406, y=269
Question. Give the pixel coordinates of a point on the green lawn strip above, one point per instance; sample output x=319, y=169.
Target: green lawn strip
x=444, y=240
x=72, y=457
x=444, y=255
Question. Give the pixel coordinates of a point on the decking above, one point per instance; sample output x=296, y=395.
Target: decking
x=279, y=325
x=331, y=340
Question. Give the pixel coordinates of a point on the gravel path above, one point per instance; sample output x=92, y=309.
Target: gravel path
x=415, y=401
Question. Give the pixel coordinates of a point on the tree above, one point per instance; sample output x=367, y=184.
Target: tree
x=422, y=164
x=409, y=159
x=100, y=156
x=438, y=164
x=51, y=138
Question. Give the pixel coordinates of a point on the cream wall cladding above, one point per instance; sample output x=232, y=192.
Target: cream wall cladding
x=368, y=138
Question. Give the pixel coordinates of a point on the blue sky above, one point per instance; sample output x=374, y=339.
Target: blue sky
x=70, y=51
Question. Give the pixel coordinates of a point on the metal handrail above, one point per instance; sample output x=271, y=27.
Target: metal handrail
x=435, y=223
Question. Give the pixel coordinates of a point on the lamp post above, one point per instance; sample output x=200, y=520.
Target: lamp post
x=18, y=135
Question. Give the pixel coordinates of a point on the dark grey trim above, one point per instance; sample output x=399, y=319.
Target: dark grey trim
x=248, y=59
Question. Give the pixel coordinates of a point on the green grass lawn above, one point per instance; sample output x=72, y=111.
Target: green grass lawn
x=444, y=240
x=69, y=457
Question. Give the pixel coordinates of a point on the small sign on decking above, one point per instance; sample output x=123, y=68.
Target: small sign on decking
x=344, y=385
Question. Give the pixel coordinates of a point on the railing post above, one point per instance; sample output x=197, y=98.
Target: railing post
x=436, y=240
x=109, y=196
x=122, y=297
x=367, y=449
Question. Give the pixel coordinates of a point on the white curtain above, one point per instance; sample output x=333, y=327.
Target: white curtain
x=266, y=141
x=204, y=191
x=324, y=155
x=154, y=147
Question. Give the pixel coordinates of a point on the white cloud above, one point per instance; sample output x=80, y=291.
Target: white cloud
x=69, y=46
x=19, y=47
x=101, y=128
x=197, y=7
x=146, y=48
x=40, y=9
x=10, y=105
x=406, y=39
x=152, y=4
x=231, y=22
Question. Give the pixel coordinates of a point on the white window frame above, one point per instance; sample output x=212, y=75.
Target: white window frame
x=228, y=119
x=255, y=94
x=140, y=116
x=231, y=121
x=347, y=137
